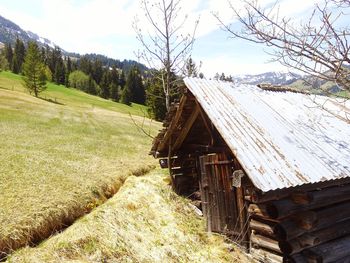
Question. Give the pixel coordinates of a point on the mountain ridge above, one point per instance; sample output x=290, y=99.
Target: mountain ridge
x=10, y=31
x=271, y=77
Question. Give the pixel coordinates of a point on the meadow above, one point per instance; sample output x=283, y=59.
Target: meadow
x=61, y=156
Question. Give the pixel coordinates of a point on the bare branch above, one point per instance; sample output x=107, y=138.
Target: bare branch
x=165, y=45
x=318, y=47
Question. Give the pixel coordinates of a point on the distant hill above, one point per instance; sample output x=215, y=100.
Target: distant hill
x=296, y=81
x=275, y=78
x=9, y=32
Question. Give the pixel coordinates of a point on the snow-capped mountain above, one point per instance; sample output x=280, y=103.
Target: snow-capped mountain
x=10, y=31
x=275, y=78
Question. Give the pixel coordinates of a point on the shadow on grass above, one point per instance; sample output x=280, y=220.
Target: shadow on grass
x=51, y=100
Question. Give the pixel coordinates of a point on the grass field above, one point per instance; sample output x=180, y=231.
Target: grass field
x=61, y=155
x=144, y=222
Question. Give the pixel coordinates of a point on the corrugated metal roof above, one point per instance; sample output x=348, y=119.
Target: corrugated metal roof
x=281, y=139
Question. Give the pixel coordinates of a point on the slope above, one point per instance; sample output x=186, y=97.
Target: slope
x=144, y=222
x=61, y=155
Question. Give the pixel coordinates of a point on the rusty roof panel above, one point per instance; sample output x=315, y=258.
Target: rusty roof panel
x=281, y=139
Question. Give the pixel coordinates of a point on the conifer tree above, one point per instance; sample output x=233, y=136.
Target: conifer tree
x=114, y=92
x=126, y=96
x=34, y=70
x=135, y=85
x=60, y=72
x=121, y=81
x=92, y=87
x=104, y=85
x=18, y=56
x=114, y=76
x=85, y=65
x=9, y=54
x=97, y=71
x=4, y=65
x=155, y=98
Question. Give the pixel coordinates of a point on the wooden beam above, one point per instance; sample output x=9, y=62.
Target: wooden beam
x=186, y=128
x=315, y=199
x=261, y=197
x=265, y=242
x=265, y=256
x=204, y=148
x=332, y=251
x=258, y=210
x=315, y=238
x=265, y=228
x=206, y=124
x=173, y=123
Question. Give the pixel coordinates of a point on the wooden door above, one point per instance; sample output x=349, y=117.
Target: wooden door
x=221, y=203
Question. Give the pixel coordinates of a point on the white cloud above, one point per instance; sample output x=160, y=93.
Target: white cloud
x=105, y=26
x=226, y=65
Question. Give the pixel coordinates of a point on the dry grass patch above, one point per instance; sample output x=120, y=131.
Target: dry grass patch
x=60, y=161
x=144, y=222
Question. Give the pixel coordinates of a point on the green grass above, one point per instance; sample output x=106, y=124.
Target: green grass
x=70, y=97
x=144, y=222
x=60, y=160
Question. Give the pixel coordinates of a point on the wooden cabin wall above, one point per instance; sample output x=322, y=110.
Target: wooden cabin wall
x=307, y=225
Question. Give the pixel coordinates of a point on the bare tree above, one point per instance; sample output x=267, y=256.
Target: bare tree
x=166, y=46
x=318, y=46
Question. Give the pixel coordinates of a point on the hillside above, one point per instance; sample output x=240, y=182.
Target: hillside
x=63, y=154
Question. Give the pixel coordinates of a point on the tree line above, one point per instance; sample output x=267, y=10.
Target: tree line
x=40, y=65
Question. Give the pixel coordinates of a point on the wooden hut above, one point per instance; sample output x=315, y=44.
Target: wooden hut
x=271, y=169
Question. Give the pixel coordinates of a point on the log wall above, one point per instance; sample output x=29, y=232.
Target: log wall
x=302, y=226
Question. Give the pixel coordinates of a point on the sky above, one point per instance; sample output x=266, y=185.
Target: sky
x=105, y=27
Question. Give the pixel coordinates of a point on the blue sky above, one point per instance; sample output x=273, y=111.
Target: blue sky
x=105, y=27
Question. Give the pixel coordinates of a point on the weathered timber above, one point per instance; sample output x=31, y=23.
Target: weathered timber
x=261, y=197
x=258, y=197
x=265, y=228
x=287, y=229
x=265, y=256
x=315, y=238
x=173, y=123
x=285, y=207
x=296, y=258
x=189, y=171
x=301, y=198
x=241, y=210
x=204, y=149
x=265, y=242
x=206, y=122
x=310, y=221
x=331, y=251
x=258, y=210
x=186, y=128
x=314, y=220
